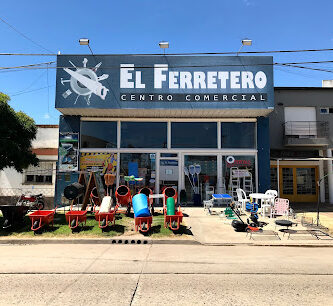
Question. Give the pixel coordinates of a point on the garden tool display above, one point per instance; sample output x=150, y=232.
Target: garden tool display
x=109, y=181
x=187, y=174
x=197, y=168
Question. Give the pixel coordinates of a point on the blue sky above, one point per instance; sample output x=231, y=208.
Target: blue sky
x=136, y=26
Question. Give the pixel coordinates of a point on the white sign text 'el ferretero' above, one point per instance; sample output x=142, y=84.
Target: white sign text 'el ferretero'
x=163, y=78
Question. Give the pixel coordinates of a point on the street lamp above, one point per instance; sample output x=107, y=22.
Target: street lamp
x=85, y=42
x=164, y=45
x=245, y=42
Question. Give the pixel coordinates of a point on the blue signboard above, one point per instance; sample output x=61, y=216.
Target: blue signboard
x=170, y=82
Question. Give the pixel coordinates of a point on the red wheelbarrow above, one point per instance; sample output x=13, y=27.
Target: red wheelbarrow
x=143, y=224
x=106, y=218
x=40, y=218
x=75, y=218
x=173, y=221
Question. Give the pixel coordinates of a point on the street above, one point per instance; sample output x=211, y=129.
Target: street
x=90, y=274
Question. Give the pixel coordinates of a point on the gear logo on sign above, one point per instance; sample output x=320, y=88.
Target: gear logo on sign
x=85, y=82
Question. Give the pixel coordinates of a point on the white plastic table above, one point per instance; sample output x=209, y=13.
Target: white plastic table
x=158, y=196
x=262, y=197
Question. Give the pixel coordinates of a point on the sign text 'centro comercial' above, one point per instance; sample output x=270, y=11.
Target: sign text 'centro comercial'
x=147, y=81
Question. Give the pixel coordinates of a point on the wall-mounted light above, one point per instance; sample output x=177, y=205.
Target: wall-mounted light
x=163, y=44
x=84, y=41
x=245, y=42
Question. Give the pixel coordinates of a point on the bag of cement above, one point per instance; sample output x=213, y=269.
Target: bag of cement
x=106, y=205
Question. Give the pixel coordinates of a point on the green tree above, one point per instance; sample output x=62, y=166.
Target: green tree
x=17, y=130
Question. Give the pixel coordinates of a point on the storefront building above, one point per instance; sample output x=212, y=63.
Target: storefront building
x=301, y=133
x=154, y=116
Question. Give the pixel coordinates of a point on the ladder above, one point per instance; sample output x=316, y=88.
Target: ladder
x=248, y=184
x=234, y=182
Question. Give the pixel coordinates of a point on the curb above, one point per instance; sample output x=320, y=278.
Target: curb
x=128, y=241
x=271, y=245
x=124, y=241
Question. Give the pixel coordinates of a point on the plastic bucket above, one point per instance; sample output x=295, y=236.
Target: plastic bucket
x=123, y=195
x=140, y=205
x=170, y=203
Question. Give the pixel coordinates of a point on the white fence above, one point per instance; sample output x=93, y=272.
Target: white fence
x=10, y=192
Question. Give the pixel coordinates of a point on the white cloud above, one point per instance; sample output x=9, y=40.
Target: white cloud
x=47, y=116
x=247, y=2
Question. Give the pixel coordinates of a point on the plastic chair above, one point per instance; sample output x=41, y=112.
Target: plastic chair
x=241, y=198
x=280, y=208
x=273, y=193
x=268, y=203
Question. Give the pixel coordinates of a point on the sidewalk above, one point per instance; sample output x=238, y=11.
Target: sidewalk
x=214, y=230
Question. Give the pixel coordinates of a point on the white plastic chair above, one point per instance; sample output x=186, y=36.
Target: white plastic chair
x=241, y=198
x=273, y=193
x=267, y=204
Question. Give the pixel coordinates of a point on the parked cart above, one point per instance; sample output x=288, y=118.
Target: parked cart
x=173, y=221
x=143, y=224
x=173, y=216
x=76, y=218
x=142, y=216
x=13, y=214
x=106, y=219
x=41, y=218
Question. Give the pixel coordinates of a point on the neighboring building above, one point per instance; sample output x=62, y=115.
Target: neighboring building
x=152, y=116
x=301, y=134
x=40, y=179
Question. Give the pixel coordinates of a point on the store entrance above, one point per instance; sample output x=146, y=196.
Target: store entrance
x=168, y=171
x=200, y=174
x=298, y=183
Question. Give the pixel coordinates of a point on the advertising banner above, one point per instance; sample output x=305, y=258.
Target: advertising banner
x=144, y=81
x=68, y=151
x=99, y=162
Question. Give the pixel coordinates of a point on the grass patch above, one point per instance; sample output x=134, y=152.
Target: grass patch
x=61, y=229
x=124, y=225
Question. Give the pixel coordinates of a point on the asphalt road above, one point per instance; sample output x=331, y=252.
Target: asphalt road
x=165, y=274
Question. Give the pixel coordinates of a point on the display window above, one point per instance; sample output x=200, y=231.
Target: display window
x=143, y=134
x=194, y=135
x=98, y=134
x=239, y=171
x=139, y=165
x=238, y=135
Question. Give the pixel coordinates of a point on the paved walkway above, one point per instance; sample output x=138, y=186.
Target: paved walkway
x=213, y=229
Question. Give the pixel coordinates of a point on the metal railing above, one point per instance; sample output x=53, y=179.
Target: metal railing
x=306, y=129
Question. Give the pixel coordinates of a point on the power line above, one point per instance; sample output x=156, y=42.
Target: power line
x=33, y=90
x=32, y=83
x=186, y=53
x=39, y=66
x=26, y=66
x=304, y=67
x=23, y=35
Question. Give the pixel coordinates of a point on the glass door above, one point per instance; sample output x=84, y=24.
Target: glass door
x=200, y=174
x=298, y=183
x=168, y=171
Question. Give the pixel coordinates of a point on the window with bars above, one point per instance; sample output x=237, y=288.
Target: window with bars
x=287, y=181
x=42, y=174
x=274, y=181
